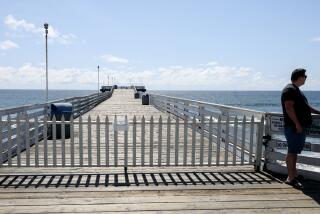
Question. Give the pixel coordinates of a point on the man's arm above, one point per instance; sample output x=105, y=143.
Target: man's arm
x=292, y=114
x=315, y=111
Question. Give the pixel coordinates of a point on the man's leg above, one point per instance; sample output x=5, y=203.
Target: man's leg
x=291, y=161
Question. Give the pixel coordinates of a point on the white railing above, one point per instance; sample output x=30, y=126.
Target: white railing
x=119, y=142
x=10, y=129
x=191, y=108
x=276, y=147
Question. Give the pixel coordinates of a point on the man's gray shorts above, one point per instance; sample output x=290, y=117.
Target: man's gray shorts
x=295, y=140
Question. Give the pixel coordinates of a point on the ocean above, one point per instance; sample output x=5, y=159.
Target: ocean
x=14, y=98
x=268, y=101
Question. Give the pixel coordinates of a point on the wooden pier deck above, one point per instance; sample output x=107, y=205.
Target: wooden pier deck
x=216, y=189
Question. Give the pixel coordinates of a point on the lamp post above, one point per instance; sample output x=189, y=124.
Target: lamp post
x=98, y=78
x=46, y=26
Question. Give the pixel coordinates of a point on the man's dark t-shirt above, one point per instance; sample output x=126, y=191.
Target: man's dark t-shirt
x=301, y=106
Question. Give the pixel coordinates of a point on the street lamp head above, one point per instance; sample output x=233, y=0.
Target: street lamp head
x=98, y=67
x=46, y=26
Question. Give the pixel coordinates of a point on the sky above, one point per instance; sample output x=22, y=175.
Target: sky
x=162, y=44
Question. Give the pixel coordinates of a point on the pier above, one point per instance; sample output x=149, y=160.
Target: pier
x=173, y=155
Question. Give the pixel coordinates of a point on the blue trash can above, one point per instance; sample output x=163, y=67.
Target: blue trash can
x=57, y=110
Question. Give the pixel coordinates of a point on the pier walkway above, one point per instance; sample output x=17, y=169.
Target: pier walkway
x=154, y=188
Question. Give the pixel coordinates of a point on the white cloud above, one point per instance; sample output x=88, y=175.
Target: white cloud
x=316, y=39
x=8, y=44
x=22, y=24
x=114, y=59
x=170, y=78
x=53, y=34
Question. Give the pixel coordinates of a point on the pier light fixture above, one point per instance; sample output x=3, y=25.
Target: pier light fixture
x=46, y=26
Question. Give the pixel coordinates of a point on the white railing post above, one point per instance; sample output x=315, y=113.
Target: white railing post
x=218, y=141
x=251, y=139
x=36, y=135
x=168, y=140
x=72, y=140
x=27, y=129
x=243, y=139
x=176, y=152
x=193, y=146
x=98, y=140
x=226, y=147
x=151, y=142
x=115, y=149
x=89, y=142
x=63, y=142
x=45, y=141
x=210, y=142
x=235, y=139
x=160, y=142
x=54, y=140
x=126, y=144
x=134, y=141
x=185, y=138
x=259, y=145
x=80, y=141
x=107, y=141
x=142, y=140
x=9, y=142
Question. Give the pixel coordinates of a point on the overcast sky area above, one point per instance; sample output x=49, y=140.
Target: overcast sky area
x=162, y=44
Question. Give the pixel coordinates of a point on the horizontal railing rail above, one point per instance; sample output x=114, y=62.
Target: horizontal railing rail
x=119, y=142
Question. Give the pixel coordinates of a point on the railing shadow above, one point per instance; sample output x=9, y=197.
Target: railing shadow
x=134, y=179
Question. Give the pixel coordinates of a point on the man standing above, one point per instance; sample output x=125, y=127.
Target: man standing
x=297, y=117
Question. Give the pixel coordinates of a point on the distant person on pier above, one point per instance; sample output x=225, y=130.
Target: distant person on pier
x=297, y=117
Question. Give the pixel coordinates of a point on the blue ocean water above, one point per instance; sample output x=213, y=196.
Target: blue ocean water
x=13, y=98
x=258, y=100
x=268, y=101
